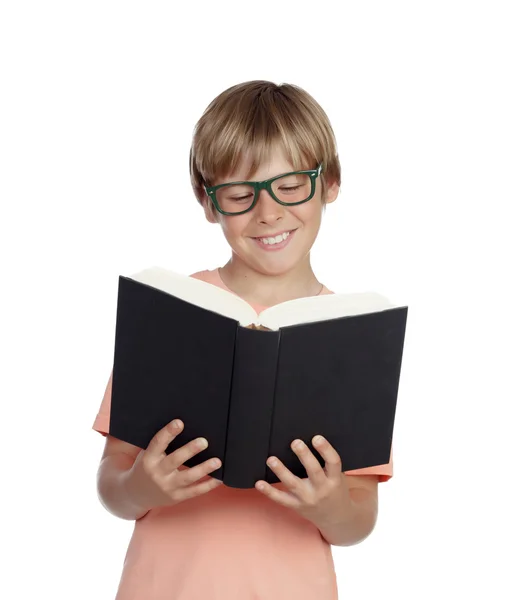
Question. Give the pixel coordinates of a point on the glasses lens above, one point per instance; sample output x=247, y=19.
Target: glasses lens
x=292, y=188
x=235, y=198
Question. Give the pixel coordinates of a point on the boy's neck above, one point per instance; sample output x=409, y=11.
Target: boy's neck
x=267, y=290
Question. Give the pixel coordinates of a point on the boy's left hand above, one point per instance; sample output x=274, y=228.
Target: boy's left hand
x=323, y=496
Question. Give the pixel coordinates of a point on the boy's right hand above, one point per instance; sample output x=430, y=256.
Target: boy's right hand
x=154, y=479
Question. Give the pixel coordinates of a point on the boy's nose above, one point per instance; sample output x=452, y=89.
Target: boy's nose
x=267, y=210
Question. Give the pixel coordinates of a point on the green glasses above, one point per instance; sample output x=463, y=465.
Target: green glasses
x=288, y=189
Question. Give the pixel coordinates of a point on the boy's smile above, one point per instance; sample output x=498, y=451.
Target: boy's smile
x=276, y=241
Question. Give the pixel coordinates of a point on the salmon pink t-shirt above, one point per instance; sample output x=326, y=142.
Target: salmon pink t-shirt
x=227, y=544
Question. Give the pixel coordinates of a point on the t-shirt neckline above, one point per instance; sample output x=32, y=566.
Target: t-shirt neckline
x=260, y=307
x=221, y=283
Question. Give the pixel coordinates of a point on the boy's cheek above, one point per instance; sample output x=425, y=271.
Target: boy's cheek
x=233, y=227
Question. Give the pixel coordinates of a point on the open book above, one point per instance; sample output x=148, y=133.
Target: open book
x=251, y=384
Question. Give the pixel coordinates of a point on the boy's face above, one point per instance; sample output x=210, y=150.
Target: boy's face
x=268, y=218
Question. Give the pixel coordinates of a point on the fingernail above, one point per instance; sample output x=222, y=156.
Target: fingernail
x=318, y=439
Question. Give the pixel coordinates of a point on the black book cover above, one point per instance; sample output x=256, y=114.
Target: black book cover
x=251, y=392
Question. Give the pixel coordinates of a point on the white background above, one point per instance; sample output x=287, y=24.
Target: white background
x=98, y=104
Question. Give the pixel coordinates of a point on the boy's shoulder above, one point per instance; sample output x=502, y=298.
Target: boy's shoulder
x=209, y=276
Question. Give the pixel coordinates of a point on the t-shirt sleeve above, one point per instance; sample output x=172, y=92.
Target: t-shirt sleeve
x=102, y=421
x=384, y=472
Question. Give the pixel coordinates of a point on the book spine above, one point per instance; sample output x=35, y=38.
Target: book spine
x=251, y=407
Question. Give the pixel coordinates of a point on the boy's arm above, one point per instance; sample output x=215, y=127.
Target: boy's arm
x=355, y=527
x=118, y=458
x=131, y=481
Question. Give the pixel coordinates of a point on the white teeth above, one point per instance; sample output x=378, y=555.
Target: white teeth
x=275, y=240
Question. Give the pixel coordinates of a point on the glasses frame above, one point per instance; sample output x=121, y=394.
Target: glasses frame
x=264, y=185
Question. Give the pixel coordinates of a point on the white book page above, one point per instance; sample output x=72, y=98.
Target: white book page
x=198, y=292
x=292, y=312
x=319, y=308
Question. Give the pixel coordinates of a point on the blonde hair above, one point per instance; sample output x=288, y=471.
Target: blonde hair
x=256, y=116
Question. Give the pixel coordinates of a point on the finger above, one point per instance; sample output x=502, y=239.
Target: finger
x=157, y=446
x=291, y=481
x=181, y=455
x=278, y=496
x=192, y=491
x=192, y=475
x=333, y=463
x=314, y=469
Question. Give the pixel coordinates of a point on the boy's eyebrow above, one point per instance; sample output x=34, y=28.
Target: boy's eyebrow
x=266, y=179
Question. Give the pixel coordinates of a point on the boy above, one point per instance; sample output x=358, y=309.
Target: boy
x=193, y=537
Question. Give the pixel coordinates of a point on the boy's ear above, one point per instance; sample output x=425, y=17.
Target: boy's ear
x=332, y=191
x=209, y=209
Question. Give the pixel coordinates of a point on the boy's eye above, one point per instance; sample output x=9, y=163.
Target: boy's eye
x=290, y=188
x=292, y=184
x=241, y=198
